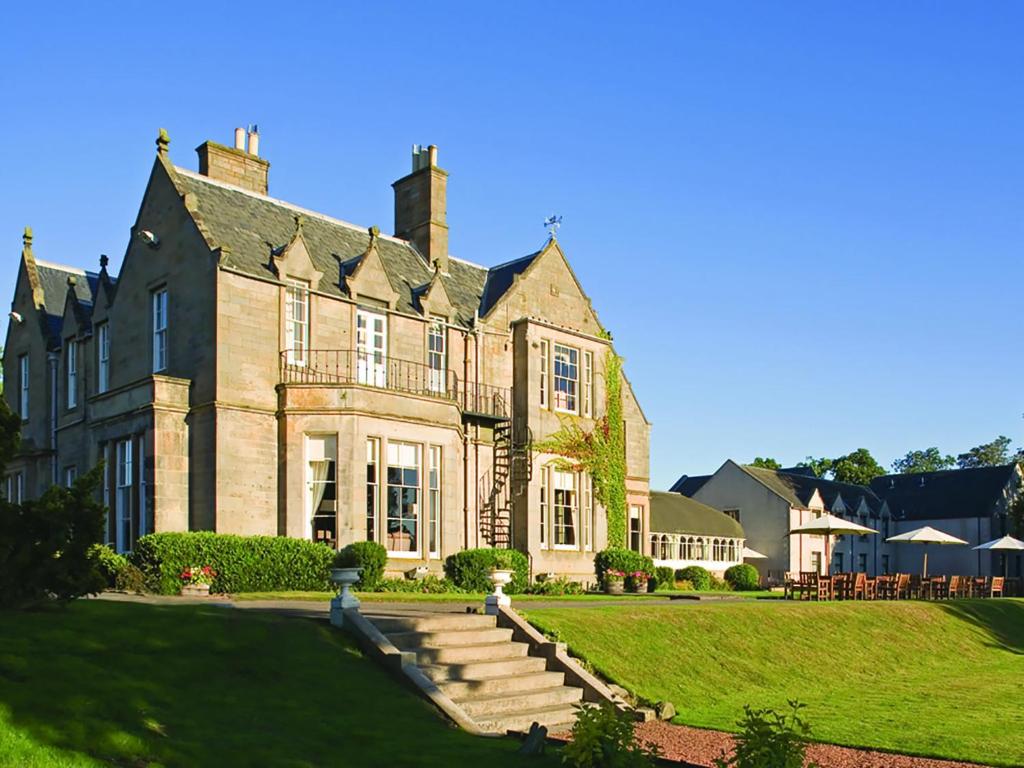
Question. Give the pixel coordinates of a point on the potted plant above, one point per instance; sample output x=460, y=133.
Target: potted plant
x=637, y=581
x=196, y=580
x=614, y=582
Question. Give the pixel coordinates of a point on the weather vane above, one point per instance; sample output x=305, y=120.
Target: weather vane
x=553, y=223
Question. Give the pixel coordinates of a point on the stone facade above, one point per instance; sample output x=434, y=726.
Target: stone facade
x=296, y=361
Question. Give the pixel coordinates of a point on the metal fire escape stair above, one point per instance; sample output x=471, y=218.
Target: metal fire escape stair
x=512, y=469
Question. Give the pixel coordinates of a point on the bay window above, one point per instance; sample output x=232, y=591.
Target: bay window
x=566, y=378
x=372, y=486
x=565, y=502
x=403, y=498
x=434, y=502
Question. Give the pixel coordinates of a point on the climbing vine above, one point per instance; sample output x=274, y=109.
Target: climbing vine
x=600, y=452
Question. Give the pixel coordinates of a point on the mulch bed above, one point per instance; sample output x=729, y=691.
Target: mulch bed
x=697, y=746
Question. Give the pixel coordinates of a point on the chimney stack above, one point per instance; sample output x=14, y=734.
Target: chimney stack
x=236, y=165
x=421, y=206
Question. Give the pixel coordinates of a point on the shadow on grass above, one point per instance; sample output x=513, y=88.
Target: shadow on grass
x=138, y=685
x=1000, y=619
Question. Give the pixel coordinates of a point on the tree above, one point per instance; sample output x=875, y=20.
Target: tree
x=991, y=454
x=820, y=467
x=928, y=460
x=858, y=467
x=765, y=463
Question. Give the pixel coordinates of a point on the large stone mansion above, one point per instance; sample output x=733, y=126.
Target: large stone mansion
x=258, y=368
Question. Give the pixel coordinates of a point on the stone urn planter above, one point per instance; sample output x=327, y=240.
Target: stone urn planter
x=195, y=590
x=344, y=578
x=614, y=586
x=500, y=578
x=637, y=585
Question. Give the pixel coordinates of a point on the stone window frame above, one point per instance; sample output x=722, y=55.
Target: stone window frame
x=544, y=351
x=572, y=396
x=102, y=357
x=438, y=377
x=292, y=287
x=435, y=498
x=373, y=446
x=573, y=507
x=70, y=373
x=417, y=551
x=160, y=333
x=24, y=376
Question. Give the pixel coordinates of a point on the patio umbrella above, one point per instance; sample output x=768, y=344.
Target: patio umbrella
x=829, y=526
x=1007, y=543
x=926, y=536
x=753, y=554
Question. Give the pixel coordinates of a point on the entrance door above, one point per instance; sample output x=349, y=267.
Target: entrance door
x=371, y=347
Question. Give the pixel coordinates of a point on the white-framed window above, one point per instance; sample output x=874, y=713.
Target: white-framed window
x=70, y=475
x=543, y=374
x=402, y=524
x=816, y=562
x=322, y=467
x=544, y=472
x=733, y=513
x=588, y=383
x=565, y=503
x=566, y=378
x=437, y=354
x=434, y=502
x=296, y=327
x=372, y=487
x=371, y=348
x=16, y=487
x=159, y=330
x=23, y=376
x=635, y=530
x=71, y=372
x=102, y=358
x=588, y=512
x=123, y=494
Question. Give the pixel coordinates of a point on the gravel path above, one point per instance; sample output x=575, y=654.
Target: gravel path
x=698, y=746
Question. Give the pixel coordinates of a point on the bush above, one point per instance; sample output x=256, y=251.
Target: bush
x=556, y=587
x=470, y=569
x=664, y=578
x=621, y=559
x=743, y=577
x=130, y=579
x=109, y=563
x=368, y=555
x=699, y=577
x=431, y=585
x=46, y=544
x=604, y=737
x=769, y=740
x=242, y=563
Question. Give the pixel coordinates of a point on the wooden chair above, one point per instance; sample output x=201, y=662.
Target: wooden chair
x=860, y=587
x=870, y=587
x=820, y=587
x=996, y=586
x=915, y=587
x=955, y=588
x=902, y=586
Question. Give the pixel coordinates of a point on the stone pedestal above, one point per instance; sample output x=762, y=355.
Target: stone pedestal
x=345, y=578
x=498, y=599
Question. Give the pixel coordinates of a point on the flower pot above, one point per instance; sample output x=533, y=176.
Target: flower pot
x=345, y=577
x=637, y=585
x=195, y=590
x=500, y=578
x=613, y=587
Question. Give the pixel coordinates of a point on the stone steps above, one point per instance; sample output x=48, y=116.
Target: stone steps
x=478, y=667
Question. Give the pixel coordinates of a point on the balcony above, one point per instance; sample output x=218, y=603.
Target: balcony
x=349, y=366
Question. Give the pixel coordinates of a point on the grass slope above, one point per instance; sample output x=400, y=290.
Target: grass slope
x=103, y=683
x=936, y=679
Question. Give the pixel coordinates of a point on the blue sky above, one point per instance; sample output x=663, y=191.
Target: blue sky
x=803, y=222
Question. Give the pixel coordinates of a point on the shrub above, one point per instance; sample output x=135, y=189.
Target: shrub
x=664, y=577
x=743, y=577
x=46, y=544
x=242, y=563
x=621, y=559
x=699, y=577
x=109, y=563
x=368, y=555
x=130, y=579
x=769, y=740
x=427, y=585
x=559, y=586
x=604, y=737
x=470, y=569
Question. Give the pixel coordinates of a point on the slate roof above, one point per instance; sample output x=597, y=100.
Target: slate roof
x=689, y=484
x=674, y=513
x=947, y=494
x=798, y=489
x=252, y=226
x=53, y=278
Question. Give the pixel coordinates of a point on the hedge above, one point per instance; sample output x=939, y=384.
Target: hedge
x=368, y=555
x=242, y=563
x=664, y=578
x=742, y=577
x=621, y=559
x=470, y=569
x=699, y=578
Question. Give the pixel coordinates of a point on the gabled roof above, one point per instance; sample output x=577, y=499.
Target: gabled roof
x=253, y=226
x=53, y=278
x=673, y=513
x=950, y=493
x=689, y=484
x=798, y=489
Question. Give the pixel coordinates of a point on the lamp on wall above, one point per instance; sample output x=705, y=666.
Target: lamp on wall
x=16, y=317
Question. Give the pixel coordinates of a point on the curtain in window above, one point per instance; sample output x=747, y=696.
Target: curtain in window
x=318, y=485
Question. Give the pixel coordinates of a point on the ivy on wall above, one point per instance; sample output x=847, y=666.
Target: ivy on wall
x=600, y=452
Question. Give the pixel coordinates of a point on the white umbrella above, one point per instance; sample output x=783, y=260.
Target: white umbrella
x=753, y=554
x=1007, y=543
x=926, y=535
x=829, y=526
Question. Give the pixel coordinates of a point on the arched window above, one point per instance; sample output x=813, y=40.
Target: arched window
x=681, y=549
x=701, y=553
x=664, y=548
x=732, y=549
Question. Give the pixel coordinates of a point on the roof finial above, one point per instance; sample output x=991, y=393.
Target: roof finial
x=374, y=233
x=553, y=222
x=27, y=237
x=104, y=260
x=162, y=142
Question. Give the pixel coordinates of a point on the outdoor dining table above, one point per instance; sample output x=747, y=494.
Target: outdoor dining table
x=932, y=587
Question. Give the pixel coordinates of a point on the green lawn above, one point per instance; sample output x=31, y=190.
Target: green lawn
x=120, y=684
x=934, y=679
x=443, y=597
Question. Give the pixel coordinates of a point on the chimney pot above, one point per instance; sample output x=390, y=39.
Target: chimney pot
x=421, y=214
x=254, y=141
x=240, y=139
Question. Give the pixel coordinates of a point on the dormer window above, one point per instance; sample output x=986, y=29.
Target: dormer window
x=71, y=372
